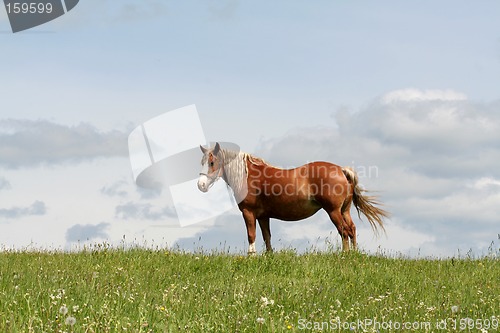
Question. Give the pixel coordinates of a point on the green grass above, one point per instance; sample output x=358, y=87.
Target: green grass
x=140, y=290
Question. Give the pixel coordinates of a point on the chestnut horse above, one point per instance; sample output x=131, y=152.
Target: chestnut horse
x=264, y=191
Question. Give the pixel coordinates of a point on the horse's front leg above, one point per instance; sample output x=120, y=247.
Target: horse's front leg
x=250, y=223
x=266, y=232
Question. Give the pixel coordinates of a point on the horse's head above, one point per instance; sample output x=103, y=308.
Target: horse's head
x=212, y=167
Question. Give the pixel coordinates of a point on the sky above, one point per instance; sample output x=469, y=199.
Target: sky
x=407, y=94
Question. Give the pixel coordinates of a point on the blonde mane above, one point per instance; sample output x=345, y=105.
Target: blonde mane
x=256, y=160
x=236, y=171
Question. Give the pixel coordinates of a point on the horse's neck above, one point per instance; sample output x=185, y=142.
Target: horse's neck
x=235, y=171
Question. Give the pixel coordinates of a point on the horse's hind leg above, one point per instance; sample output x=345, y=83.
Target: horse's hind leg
x=351, y=228
x=348, y=223
x=266, y=232
x=338, y=220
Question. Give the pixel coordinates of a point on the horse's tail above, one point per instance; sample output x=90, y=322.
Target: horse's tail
x=365, y=204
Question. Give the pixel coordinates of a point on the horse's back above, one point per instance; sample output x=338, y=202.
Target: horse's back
x=293, y=194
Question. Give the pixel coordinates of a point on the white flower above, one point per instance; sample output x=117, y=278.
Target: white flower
x=260, y=320
x=454, y=309
x=63, y=310
x=265, y=301
x=70, y=321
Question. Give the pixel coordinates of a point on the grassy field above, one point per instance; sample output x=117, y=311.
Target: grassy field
x=138, y=290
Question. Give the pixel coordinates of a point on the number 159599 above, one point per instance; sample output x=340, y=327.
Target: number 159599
x=31, y=7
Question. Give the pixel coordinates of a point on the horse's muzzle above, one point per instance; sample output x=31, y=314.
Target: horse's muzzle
x=203, y=183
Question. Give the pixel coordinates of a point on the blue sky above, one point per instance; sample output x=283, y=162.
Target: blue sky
x=411, y=88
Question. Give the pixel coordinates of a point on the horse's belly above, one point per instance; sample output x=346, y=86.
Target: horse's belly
x=294, y=210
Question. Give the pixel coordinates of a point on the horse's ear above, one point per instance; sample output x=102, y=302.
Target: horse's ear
x=203, y=149
x=216, y=149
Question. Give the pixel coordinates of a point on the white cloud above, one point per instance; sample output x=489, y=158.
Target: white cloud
x=116, y=189
x=4, y=184
x=434, y=129
x=134, y=210
x=86, y=232
x=27, y=143
x=487, y=182
x=399, y=239
x=416, y=95
x=36, y=208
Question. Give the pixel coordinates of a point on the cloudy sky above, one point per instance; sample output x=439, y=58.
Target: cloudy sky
x=407, y=94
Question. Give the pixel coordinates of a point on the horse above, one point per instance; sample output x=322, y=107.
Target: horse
x=264, y=191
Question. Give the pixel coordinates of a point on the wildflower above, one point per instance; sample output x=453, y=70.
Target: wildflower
x=454, y=309
x=260, y=320
x=63, y=310
x=265, y=301
x=70, y=321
